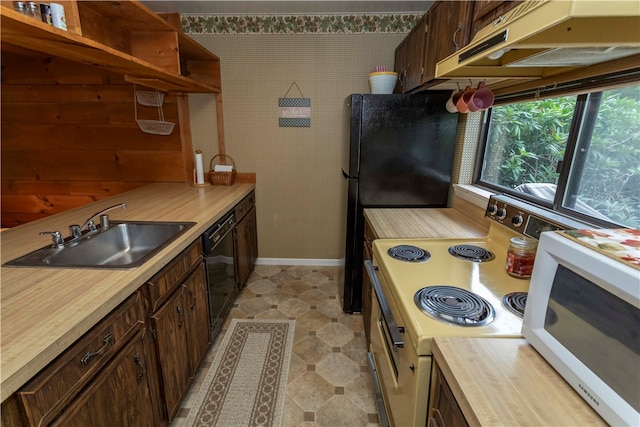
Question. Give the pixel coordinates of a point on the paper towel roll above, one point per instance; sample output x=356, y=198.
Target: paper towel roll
x=199, y=168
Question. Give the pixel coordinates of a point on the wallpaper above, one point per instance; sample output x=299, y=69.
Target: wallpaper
x=299, y=24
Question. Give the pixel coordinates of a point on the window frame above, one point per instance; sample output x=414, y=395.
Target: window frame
x=584, y=117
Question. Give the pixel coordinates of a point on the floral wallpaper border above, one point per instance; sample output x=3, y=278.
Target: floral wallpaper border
x=299, y=24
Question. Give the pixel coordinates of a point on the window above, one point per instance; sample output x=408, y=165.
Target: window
x=579, y=155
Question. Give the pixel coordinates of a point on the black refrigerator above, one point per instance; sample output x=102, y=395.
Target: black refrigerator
x=398, y=153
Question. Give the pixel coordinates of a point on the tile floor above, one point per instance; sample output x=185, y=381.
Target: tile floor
x=329, y=383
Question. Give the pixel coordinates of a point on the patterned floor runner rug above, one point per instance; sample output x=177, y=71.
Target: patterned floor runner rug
x=247, y=382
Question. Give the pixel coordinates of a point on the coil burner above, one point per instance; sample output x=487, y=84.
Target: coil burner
x=455, y=306
x=471, y=253
x=515, y=302
x=409, y=253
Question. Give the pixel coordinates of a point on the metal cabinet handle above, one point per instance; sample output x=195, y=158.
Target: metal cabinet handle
x=137, y=360
x=107, y=339
x=497, y=21
x=455, y=33
x=180, y=316
x=394, y=330
x=193, y=300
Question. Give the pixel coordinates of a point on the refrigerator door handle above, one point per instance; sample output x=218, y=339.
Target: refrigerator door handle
x=347, y=176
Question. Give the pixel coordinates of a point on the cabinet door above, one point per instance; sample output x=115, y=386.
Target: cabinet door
x=415, y=48
x=169, y=324
x=400, y=65
x=487, y=11
x=246, y=241
x=443, y=409
x=197, y=316
x=448, y=31
x=120, y=395
x=408, y=57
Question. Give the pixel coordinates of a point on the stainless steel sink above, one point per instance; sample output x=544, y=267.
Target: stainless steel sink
x=125, y=244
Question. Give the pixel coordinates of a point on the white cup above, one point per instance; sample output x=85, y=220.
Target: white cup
x=57, y=16
x=451, y=102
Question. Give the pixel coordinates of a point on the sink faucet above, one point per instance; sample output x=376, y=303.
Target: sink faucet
x=76, y=230
x=57, y=241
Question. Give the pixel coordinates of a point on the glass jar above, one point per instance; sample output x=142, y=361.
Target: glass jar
x=33, y=10
x=520, y=257
x=20, y=7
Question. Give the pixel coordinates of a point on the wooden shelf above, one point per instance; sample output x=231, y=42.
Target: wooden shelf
x=124, y=37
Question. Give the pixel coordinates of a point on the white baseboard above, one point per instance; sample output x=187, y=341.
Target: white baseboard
x=300, y=261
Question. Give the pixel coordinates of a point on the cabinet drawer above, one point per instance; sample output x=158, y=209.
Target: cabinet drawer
x=53, y=388
x=245, y=206
x=161, y=285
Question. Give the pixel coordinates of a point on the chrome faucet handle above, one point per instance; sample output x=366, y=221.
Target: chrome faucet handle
x=56, y=239
x=75, y=231
x=91, y=225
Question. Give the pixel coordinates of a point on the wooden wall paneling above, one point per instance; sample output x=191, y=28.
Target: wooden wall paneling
x=59, y=165
x=69, y=137
x=34, y=204
x=71, y=188
x=46, y=70
x=205, y=71
x=151, y=166
x=103, y=29
x=85, y=137
x=157, y=47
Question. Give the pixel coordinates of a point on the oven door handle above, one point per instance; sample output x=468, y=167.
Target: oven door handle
x=394, y=330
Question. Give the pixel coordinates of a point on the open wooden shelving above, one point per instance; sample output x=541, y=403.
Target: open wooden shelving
x=125, y=37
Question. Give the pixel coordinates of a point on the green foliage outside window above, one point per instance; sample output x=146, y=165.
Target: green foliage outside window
x=526, y=142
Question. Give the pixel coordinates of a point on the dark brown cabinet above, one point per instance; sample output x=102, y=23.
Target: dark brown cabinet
x=197, y=314
x=134, y=367
x=444, y=29
x=246, y=239
x=449, y=28
x=408, y=62
x=443, y=408
x=180, y=323
x=105, y=378
x=119, y=395
x=170, y=334
x=487, y=11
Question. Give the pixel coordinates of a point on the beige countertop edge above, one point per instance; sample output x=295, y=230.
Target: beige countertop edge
x=35, y=330
x=505, y=382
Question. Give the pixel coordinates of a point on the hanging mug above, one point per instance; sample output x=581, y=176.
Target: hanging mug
x=464, y=99
x=451, y=102
x=481, y=99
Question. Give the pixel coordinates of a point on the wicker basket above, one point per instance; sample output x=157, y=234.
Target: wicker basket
x=222, y=178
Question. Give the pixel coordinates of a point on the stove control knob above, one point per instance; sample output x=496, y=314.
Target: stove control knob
x=517, y=220
x=492, y=209
x=501, y=214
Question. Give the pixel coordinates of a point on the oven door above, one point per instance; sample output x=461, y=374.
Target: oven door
x=403, y=376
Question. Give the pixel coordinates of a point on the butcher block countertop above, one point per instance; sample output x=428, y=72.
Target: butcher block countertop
x=464, y=220
x=505, y=382
x=44, y=310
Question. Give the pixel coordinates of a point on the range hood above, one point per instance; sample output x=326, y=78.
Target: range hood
x=541, y=38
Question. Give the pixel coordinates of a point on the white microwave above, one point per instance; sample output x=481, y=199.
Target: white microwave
x=583, y=316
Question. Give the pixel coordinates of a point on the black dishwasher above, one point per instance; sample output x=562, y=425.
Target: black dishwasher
x=221, y=278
